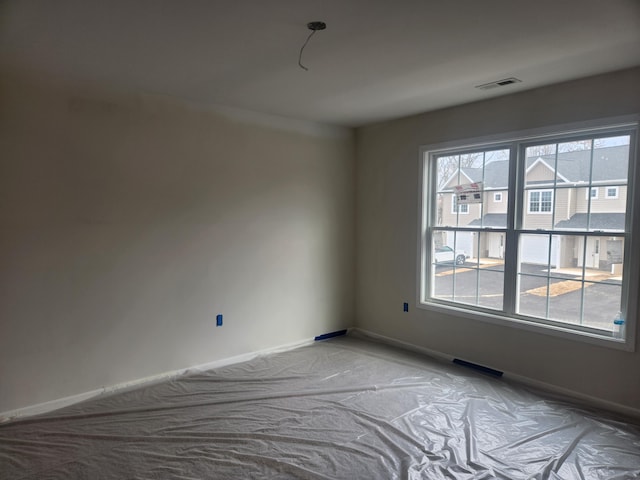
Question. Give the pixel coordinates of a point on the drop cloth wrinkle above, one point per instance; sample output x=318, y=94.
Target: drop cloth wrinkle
x=344, y=408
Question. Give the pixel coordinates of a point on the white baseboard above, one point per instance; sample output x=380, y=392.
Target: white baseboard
x=581, y=398
x=56, y=404
x=48, y=406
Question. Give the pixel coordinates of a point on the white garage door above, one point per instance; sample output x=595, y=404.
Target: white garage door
x=535, y=249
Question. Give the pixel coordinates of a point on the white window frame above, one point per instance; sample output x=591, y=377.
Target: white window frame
x=539, y=212
x=497, y=197
x=611, y=197
x=631, y=280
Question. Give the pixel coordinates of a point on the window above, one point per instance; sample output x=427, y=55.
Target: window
x=463, y=209
x=540, y=201
x=554, y=262
x=594, y=193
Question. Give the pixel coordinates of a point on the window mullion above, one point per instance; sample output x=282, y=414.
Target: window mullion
x=514, y=200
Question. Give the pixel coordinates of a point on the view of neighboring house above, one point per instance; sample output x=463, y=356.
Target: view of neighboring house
x=582, y=190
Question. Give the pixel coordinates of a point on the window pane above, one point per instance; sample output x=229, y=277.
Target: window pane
x=565, y=299
x=491, y=250
x=488, y=256
x=532, y=295
x=572, y=207
x=610, y=166
x=612, y=251
x=541, y=166
x=466, y=285
x=442, y=282
x=569, y=201
x=447, y=168
x=601, y=303
x=491, y=288
x=611, y=160
x=447, y=252
x=574, y=279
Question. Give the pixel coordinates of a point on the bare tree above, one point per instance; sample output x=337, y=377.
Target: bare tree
x=449, y=165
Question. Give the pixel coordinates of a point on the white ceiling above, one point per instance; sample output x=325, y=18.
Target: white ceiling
x=377, y=59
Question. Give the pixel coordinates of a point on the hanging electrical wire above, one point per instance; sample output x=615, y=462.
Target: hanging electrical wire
x=314, y=27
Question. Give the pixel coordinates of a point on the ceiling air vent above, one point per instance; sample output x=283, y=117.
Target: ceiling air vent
x=499, y=83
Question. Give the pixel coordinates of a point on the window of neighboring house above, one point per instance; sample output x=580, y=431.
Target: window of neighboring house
x=540, y=201
x=497, y=197
x=612, y=192
x=594, y=193
x=462, y=209
x=565, y=273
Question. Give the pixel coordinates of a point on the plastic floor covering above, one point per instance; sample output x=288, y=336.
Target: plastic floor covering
x=346, y=408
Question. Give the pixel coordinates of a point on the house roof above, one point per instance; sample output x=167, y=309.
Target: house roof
x=490, y=220
x=609, y=164
x=496, y=174
x=599, y=221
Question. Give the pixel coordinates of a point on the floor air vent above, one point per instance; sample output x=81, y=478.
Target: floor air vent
x=480, y=368
x=499, y=83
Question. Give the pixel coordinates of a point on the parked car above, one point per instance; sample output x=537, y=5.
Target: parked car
x=446, y=254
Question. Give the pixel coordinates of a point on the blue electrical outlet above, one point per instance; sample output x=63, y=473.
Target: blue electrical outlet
x=219, y=320
x=405, y=307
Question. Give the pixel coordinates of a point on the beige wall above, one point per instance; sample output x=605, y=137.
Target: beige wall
x=602, y=204
x=387, y=213
x=540, y=172
x=129, y=222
